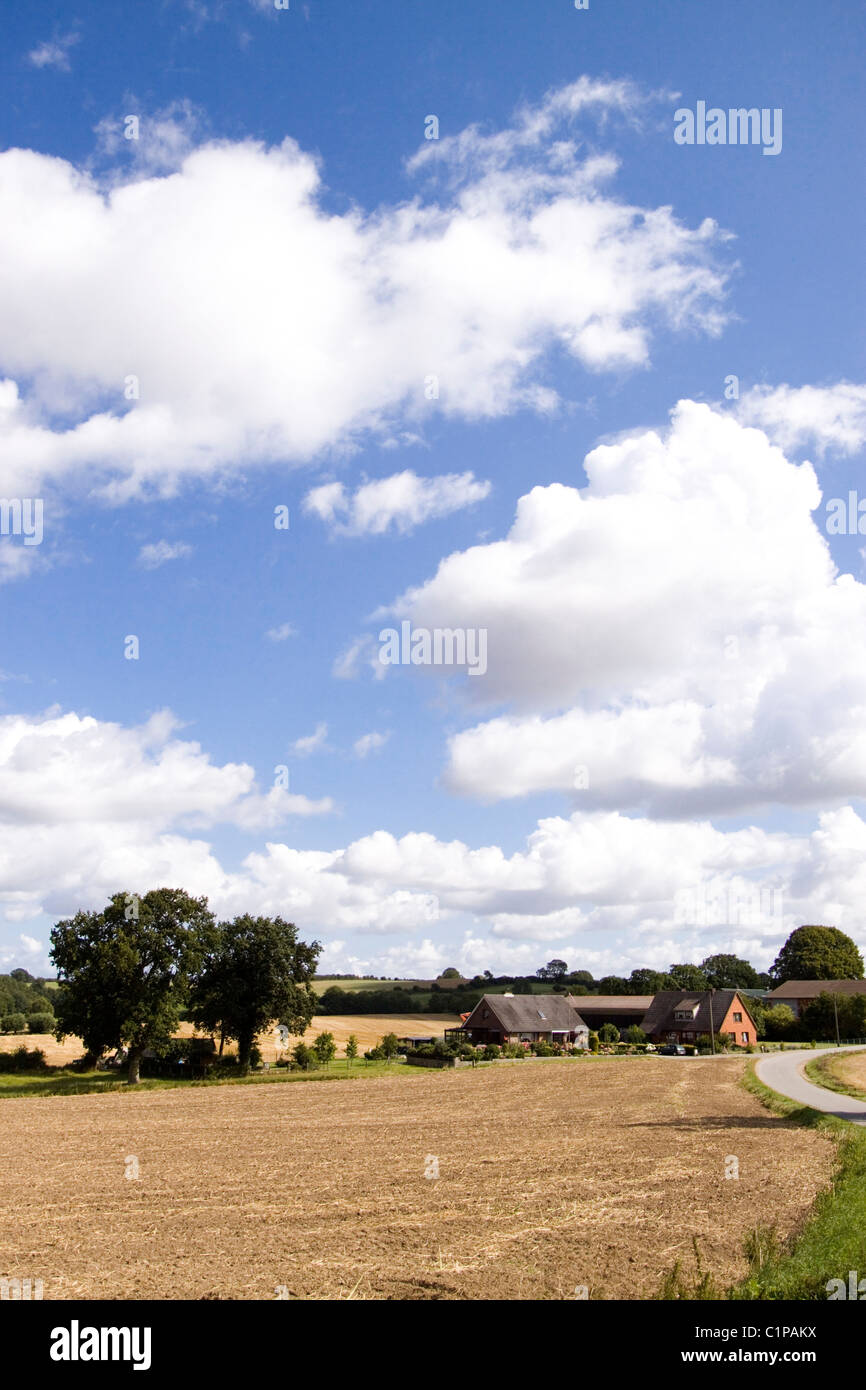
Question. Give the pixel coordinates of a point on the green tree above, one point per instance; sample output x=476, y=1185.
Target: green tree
x=818, y=1019
x=303, y=1055
x=687, y=977
x=608, y=1033
x=521, y=987
x=40, y=1023
x=14, y=1023
x=729, y=972
x=324, y=1047
x=634, y=1034
x=126, y=970
x=817, y=953
x=390, y=1045
x=613, y=984
x=351, y=1047
x=646, y=981
x=257, y=974
x=452, y=973
x=778, y=1022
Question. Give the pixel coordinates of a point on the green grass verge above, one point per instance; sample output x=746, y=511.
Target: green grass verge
x=820, y=1070
x=57, y=1082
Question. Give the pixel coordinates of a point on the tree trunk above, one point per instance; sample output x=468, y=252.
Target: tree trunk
x=245, y=1043
x=134, y=1060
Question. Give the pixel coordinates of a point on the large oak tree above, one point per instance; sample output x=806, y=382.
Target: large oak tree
x=125, y=971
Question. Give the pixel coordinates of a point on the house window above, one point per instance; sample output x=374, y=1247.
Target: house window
x=486, y=1013
x=745, y=1037
x=738, y=1018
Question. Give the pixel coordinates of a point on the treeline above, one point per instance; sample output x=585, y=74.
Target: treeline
x=25, y=1004
x=397, y=1001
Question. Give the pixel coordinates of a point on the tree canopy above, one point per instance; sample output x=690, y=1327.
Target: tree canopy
x=257, y=973
x=817, y=953
x=730, y=972
x=125, y=971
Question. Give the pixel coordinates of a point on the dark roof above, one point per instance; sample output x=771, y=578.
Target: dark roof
x=612, y=1003
x=660, y=1015
x=810, y=989
x=527, y=1013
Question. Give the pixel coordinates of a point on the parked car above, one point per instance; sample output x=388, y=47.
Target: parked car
x=672, y=1050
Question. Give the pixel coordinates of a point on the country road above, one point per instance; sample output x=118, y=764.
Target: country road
x=783, y=1073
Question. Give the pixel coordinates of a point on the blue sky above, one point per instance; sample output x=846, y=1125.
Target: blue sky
x=281, y=263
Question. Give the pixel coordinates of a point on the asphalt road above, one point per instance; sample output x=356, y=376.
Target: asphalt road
x=782, y=1072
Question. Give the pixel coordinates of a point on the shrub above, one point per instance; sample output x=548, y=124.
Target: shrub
x=40, y=1023
x=608, y=1033
x=593, y=1042
x=634, y=1034
x=513, y=1050
x=467, y=1051
x=324, y=1047
x=377, y=1055
x=542, y=1048
x=14, y=1023
x=303, y=1056
x=22, y=1060
x=491, y=1052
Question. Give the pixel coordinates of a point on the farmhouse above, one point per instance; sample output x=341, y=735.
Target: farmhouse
x=684, y=1015
x=505, y=1018
x=620, y=1009
x=798, y=993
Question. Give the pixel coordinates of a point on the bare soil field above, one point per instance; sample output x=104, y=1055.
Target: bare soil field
x=368, y=1029
x=551, y=1175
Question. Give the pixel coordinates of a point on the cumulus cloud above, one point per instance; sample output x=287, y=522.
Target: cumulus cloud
x=802, y=417
x=402, y=501
x=337, y=319
x=90, y=808
x=97, y=802
x=673, y=636
x=150, y=557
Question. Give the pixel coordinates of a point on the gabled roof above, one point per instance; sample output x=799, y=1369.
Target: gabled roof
x=527, y=1013
x=660, y=1015
x=612, y=1003
x=810, y=989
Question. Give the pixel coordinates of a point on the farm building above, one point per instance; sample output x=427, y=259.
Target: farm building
x=797, y=994
x=620, y=1009
x=504, y=1018
x=684, y=1015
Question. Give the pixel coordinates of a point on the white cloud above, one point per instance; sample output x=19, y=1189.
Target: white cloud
x=85, y=804
x=337, y=319
x=370, y=743
x=677, y=629
x=799, y=417
x=89, y=809
x=53, y=53
x=402, y=501
x=150, y=557
x=281, y=633
x=311, y=743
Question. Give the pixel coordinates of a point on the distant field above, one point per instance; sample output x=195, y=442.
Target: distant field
x=368, y=1029
x=321, y=985
x=550, y=1176
x=848, y=1069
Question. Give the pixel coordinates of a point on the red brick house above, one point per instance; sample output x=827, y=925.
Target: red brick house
x=684, y=1015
